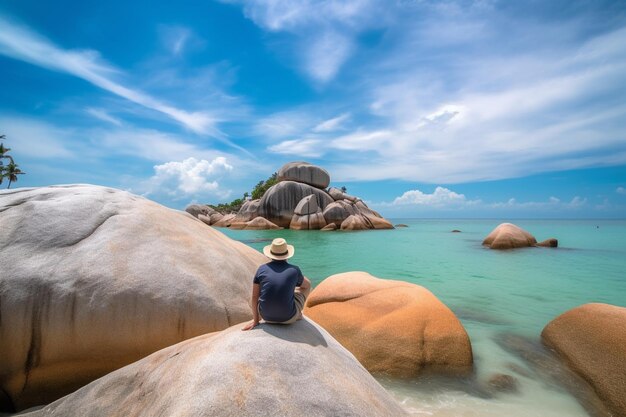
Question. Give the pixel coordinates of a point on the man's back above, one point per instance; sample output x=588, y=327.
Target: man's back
x=277, y=281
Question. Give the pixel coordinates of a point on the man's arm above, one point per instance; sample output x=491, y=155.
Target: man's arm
x=305, y=287
x=254, y=304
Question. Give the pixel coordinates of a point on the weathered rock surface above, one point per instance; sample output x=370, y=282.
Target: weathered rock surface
x=338, y=211
x=279, y=202
x=391, y=327
x=296, y=370
x=503, y=383
x=329, y=227
x=401, y=225
x=95, y=278
x=197, y=209
x=305, y=173
x=308, y=205
x=355, y=222
x=259, y=223
x=313, y=221
x=509, y=236
x=549, y=243
x=225, y=221
x=592, y=341
x=248, y=211
x=337, y=195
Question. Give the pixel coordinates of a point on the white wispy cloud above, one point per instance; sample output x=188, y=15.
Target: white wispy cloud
x=310, y=148
x=23, y=44
x=323, y=31
x=333, y=124
x=188, y=178
x=441, y=197
x=620, y=190
x=36, y=139
x=103, y=115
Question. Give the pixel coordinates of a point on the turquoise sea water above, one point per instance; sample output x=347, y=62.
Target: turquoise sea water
x=495, y=294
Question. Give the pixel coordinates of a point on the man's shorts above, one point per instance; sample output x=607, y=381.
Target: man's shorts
x=300, y=299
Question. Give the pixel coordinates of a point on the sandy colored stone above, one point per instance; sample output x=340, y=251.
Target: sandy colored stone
x=591, y=339
x=95, y=278
x=216, y=217
x=337, y=194
x=259, y=223
x=248, y=211
x=313, y=221
x=549, y=243
x=308, y=205
x=329, y=227
x=204, y=219
x=339, y=211
x=355, y=222
x=197, y=209
x=279, y=201
x=291, y=371
x=304, y=172
x=509, y=236
x=392, y=327
x=225, y=221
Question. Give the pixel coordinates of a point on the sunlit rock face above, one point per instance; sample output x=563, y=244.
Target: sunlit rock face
x=279, y=202
x=509, y=236
x=392, y=327
x=591, y=339
x=304, y=172
x=297, y=370
x=94, y=278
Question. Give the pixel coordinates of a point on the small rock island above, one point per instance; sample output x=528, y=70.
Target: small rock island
x=300, y=200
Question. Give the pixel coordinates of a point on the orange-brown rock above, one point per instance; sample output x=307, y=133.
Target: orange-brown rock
x=549, y=243
x=392, y=327
x=509, y=236
x=592, y=340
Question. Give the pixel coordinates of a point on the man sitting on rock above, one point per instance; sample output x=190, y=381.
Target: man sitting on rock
x=279, y=290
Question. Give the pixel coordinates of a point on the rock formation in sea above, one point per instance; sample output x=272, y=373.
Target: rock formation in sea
x=392, y=327
x=510, y=236
x=272, y=370
x=301, y=201
x=591, y=339
x=94, y=278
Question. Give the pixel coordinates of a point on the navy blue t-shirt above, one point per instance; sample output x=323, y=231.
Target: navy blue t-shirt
x=278, y=280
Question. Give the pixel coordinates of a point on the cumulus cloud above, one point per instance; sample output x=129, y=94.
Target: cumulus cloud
x=188, y=178
x=441, y=197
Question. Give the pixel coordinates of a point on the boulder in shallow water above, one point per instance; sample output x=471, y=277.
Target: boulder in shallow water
x=313, y=221
x=549, y=243
x=355, y=222
x=259, y=223
x=509, y=236
x=591, y=339
x=248, y=211
x=392, y=327
x=292, y=371
x=197, y=209
x=304, y=172
x=280, y=201
x=329, y=227
x=95, y=278
x=338, y=211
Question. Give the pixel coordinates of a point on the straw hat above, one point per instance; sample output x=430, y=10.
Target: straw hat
x=279, y=250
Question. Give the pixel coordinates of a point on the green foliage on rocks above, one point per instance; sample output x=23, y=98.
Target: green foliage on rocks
x=257, y=192
x=263, y=186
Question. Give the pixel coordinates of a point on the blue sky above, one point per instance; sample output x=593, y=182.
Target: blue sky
x=435, y=109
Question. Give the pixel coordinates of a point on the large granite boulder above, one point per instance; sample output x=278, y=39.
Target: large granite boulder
x=313, y=221
x=197, y=209
x=305, y=173
x=592, y=341
x=509, y=236
x=338, y=211
x=248, y=211
x=296, y=370
x=280, y=201
x=258, y=223
x=392, y=327
x=225, y=221
x=94, y=278
x=337, y=195
x=355, y=222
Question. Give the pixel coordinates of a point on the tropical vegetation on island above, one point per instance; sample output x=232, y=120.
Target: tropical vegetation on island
x=10, y=170
x=257, y=192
